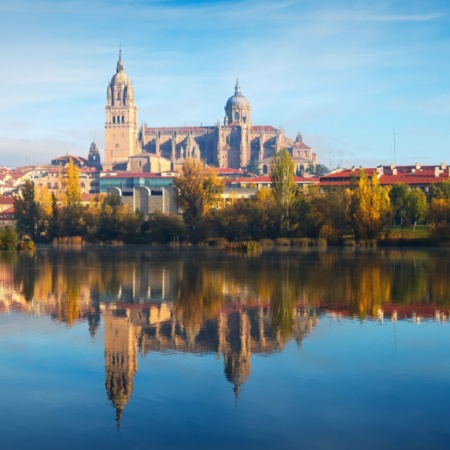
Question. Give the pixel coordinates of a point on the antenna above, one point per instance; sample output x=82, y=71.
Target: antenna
x=395, y=148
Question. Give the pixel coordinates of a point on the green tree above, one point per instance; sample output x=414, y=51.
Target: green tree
x=440, y=190
x=197, y=190
x=164, y=228
x=415, y=206
x=253, y=166
x=317, y=170
x=27, y=212
x=284, y=189
x=397, y=195
x=369, y=208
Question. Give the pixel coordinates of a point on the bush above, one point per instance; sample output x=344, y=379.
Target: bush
x=282, y=242
x=247, y=247
x=8, y=238
x=164, y=228
x=266, y=243
x=26, y=245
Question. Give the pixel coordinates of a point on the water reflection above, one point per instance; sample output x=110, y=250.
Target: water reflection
x=202, y=302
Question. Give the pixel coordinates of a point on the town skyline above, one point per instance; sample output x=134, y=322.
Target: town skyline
x=344, y=74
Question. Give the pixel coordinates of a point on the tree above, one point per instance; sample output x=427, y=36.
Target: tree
x=72, y=185
x=397, y=195
x=284, y=189
x=317, y=170
x=438, y=218
x=72, y=214
x=415, y=206
x=253, y=166
x=440, y=190
x=370, y=207
x=197, y=190
x=27, y=212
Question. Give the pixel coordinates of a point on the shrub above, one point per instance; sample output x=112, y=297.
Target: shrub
x=282, y=242
x=8, y=238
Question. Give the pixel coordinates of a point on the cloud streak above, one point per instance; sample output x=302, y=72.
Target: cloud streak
x=335, y=69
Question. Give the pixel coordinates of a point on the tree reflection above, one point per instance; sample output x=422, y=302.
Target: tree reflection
x=201, y=301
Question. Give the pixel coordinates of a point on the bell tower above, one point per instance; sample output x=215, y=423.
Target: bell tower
x=121, y=126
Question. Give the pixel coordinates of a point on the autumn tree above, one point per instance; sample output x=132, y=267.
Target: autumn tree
x=197, y=190
x=72, y=189
x=72, y=214
x=438, y=218
x=284, y=189
x=369, y=208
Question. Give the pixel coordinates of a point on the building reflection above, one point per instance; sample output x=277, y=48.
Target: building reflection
x=121, y=361
x=234, y=335
x=235, y=308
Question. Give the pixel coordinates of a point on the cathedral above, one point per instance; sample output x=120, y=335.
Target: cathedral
x=237, y=143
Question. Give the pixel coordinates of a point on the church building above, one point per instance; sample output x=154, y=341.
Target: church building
x=235, y=143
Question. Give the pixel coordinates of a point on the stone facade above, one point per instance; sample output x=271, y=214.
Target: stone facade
x=236, y=143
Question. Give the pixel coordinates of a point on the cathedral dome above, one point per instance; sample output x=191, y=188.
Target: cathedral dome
x=120, y=77
x=237, y=100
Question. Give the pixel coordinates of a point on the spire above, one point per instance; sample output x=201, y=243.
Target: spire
x=120, y=63
x=237, y=88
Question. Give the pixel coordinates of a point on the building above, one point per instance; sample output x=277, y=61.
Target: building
x=234, y=144
x=416, y=176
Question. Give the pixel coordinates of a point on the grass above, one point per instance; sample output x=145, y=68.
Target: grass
x=421, y=232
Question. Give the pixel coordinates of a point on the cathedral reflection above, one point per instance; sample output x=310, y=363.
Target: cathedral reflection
x=234, y=335
x=234, y=308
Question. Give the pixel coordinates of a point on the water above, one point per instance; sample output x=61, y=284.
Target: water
x=142, y=348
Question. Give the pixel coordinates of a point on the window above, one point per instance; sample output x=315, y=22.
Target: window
x=114, y=119
x=123, y=119
x=236, y=116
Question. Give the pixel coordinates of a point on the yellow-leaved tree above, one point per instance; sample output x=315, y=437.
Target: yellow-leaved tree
x=197, y=190
x=370, y=207
x=72, y=185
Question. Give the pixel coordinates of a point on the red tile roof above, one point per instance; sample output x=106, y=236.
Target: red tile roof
x=131, y=175
x=410, y=175
x=6, y=200
x=185, y=130
x=259, y=128
x=266, y=179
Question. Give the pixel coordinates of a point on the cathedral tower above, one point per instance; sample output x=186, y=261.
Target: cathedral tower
x=121, y=126
x=238, y=117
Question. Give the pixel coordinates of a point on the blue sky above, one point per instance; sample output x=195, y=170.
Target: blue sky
x=346, y=73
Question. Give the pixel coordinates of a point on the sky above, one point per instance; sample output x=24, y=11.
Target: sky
x=366, y=82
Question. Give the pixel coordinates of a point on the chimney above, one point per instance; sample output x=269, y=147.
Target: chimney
x=394, y=170
x=436, y=172
x=417, y=166
x=443, y=166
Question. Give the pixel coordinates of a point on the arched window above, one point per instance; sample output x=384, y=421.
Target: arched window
x=236, y=116
x=123, y=119
x=265, y=170
x=114, y=119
